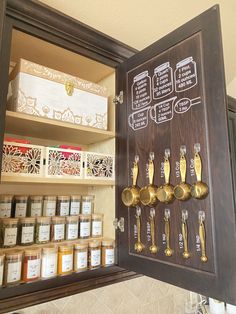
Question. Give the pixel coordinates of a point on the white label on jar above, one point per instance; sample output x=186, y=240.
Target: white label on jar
x=5, y=210
x=109, y=256
x=36, y=209
x=72, y=232
x=33, y=268
x=74, y=208
x=44, y=233
x=95, y=257
x=64, y=208
x=59, y=232
x=1, y=274
x=67, y=262
x=10, y=236
x=87, y=208
x=49, y=265
x=82, y=260
x=84, y=229
x=27, y=234
x=13, y=272
x=49, y=208
x=96, y=228
x=20, y=210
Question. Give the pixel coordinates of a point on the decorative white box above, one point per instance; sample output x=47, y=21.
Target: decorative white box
x=22, y=159
x=41, y=91
x=63, y=163
x=99, y=166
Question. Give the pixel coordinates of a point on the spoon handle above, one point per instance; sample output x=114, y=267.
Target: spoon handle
x=135, y=173
x=202, y=235
x=198, y=166
x=167, y=233
x=183, y=167
x=184, y=228
x=167, y=170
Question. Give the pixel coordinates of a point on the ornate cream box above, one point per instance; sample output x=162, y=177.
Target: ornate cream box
x=41, y=91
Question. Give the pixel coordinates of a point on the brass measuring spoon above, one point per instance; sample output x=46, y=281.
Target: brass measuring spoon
x=168, y=251
x=202, y=235
x=184, y=228
x=182, y=190
x=148, y=193
x=165, y=193
x=130, y=195
x=199, y=189
x=153, y=248
x=139, y=246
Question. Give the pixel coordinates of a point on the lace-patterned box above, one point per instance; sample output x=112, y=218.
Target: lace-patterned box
x=41, y=91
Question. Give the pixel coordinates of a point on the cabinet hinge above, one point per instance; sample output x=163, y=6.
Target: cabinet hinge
x=119, y=99
x=119, y=224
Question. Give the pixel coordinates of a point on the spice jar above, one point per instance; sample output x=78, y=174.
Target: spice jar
x=65, y=259
x=108, y=252
x=97, y=220
x=80, y=256
x=75, y=201
x=35, y=205
x=21, y=205
x=72, y=227
x=84, y=226
x=31, y=265
x=63, y=206
x=6, y=206
x=12, y=269
x=58, y=229
x=2, y=256
x=49, y=262
x=42, y=230
x=87, y=204
x=26, y=231
x=49, y=205
x=9, y=231
x=94, y=254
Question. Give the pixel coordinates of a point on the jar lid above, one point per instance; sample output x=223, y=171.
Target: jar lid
x=6, y=197
x=72, y=218
x=12, y=221
x=94, y=243
x=14, y=254
x=65, y=248
x=88, y=197
x=50, y=197
x=36, y=197
x=75, y=197
x=63, y=197
x=21, y=197
x=50, y=249
x=27, y=220
x=43, y=219
x=58, y=219
x=85, y=216
x=32, y=252
x=80, y=245
x=108, y=242
x=97, y=216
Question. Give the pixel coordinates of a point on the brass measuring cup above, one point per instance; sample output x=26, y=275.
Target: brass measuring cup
x=182, y=190
x=199, y=189
x=165, y=193
x=130, y=195
x=148, y=193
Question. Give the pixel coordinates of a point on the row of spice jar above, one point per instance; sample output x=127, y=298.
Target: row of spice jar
x=40, y=230
x=35, y=263
x=48, y=205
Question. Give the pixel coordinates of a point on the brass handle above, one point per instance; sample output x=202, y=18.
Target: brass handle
x=135, y=173
x=138, y=220
x=202, y=235
x=168, y=250
x=184, y=228
x=198, y=166
x=151, y=171
x=167, y=170
x=139, y=246
x=183, y=168
x=153, y=248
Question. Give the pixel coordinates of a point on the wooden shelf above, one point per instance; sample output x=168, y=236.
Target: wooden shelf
x=33, y=126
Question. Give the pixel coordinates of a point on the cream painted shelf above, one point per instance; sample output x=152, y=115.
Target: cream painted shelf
x=28, y=125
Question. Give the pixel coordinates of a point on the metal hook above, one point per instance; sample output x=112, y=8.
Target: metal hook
x=184, y=214
x=182, y=150
x=167, y=152
x=197, y=148
x=136, y=158
x=167, y=213
x=201, y=216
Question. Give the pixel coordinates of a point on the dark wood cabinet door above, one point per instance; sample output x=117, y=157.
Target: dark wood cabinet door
x=174, y=101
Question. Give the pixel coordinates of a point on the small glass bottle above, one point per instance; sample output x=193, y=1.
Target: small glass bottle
x=12, y=269
x=49, y=205
x=58, y=229
x=2, y=257
x=108, y=252
x=35, y=206
x=21, y=205
x=72, y=227
x=80, y=256
x=49, y=262
x=63, y=206
x=97, y=222
x=26, y=231
x=31, y=265
x=6, y=206
x=84, y=226
x=65, y=259
x=87, y=204
x=75, y=203
x=42, y=230
x=9, y=231
x=94, y=254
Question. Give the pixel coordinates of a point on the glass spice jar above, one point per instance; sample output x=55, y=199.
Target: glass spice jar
x=75, y=203
x=84, y=226
x=35, y=206
x=58, y=229
x=97, y=222
x=2, y=257
x=80, y=256
x=9, y=231
x=49, y=262
x=72, y=227
x=26, y=231
x=31, y=265
x=65, y=259
x=108, y=252
x=87, y=204
x=6, y=206
x=42, y=230
x=20, y=205
x=94, y=254
x=63, y=206
x=49, y=205
x=12, y=269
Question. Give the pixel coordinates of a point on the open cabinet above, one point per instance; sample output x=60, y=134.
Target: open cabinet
x=170, y=99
